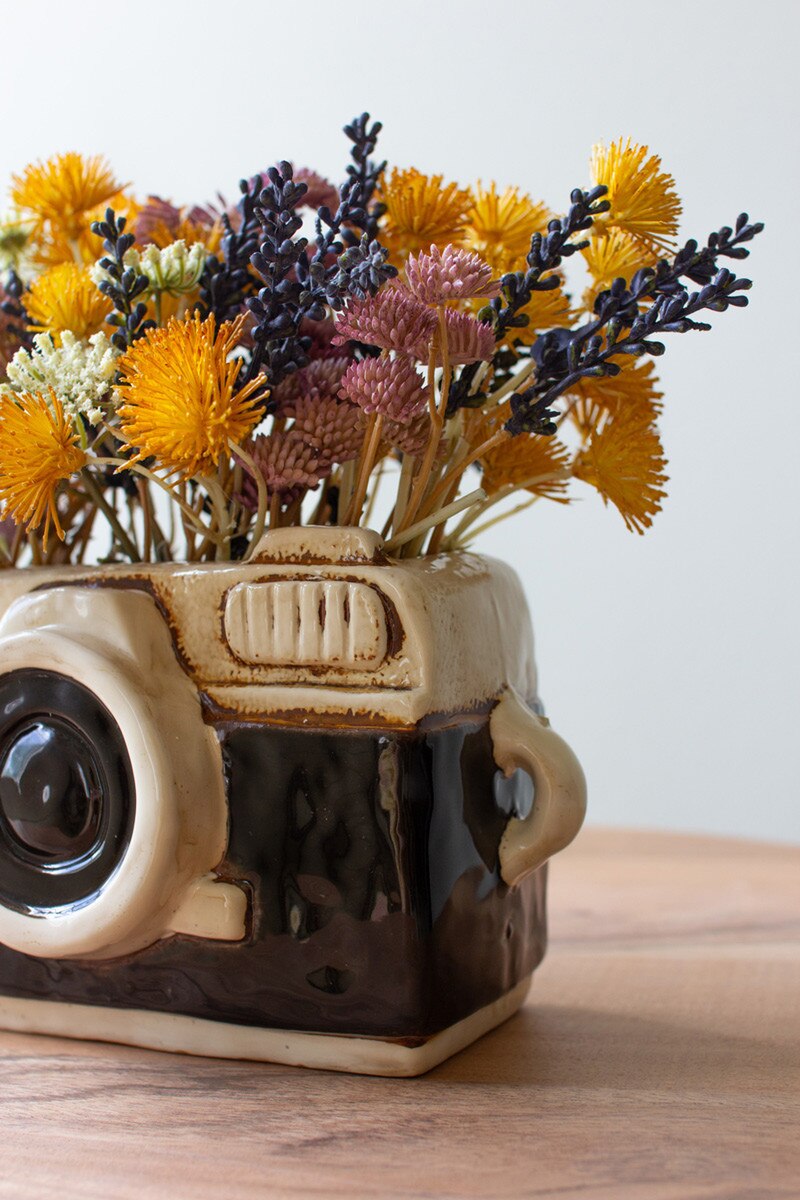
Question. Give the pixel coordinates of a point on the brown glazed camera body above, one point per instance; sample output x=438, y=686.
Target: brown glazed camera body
x=295, y=809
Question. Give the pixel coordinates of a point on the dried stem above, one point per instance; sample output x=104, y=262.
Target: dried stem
x=263, y=496
x=370, y=453
x=444, y=514
x=125, y=543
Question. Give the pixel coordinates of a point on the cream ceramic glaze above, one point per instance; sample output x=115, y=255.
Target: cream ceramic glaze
x=318, y=627
x=316, y=622
x=117, y=644
x=433, y=610
x=521, y=739
x=216, y=1039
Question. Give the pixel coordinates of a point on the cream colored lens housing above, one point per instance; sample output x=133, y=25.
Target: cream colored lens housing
x=116, y=643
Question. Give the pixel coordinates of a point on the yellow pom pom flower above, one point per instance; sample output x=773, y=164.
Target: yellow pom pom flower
x=60, y=190
x=539, y=465
x=643, y=199
x=614, y=255
x=624, y=462
x=192, y=233
x=38, y=451
x=634, y=390
x=545, y=310
x=66, y=298
x=421, y=211
x=178, y=404
x=500, y=225
x=54, y=246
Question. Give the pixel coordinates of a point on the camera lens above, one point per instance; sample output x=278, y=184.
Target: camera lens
x=67, y=794
x=50, y=790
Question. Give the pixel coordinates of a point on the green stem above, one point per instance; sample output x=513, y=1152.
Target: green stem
x=125, y=542
x=444, y=514
x=512, y=512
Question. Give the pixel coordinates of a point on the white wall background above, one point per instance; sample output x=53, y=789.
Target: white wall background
x=670, y=661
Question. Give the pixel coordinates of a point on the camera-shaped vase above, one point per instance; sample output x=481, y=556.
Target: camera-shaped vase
x=296, y=809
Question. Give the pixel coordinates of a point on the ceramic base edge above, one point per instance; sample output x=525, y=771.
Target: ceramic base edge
x=216, y=1039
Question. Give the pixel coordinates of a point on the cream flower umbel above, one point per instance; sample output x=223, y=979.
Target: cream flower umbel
x=175, y=270
x=79, y=372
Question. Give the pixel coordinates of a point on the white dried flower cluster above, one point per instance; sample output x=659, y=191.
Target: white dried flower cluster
x=176, y=269
x=79, y=372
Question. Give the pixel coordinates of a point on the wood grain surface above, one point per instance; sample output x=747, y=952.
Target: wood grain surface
x=658, y=1057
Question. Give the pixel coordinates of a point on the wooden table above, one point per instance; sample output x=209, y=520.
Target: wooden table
x=658, y=1056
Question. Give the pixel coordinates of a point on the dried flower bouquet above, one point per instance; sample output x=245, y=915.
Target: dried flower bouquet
x=193, y=376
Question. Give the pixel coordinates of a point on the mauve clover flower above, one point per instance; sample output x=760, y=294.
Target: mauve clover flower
x=289, y=462
x=320, y=190
x=450, y=274
x=411, y=439
x=320, y=335
x=390, y=386
x=152, y=214
x=321, y=377
x=334, y=427
x=159, y=221
x=391, y=319
x=468, y=340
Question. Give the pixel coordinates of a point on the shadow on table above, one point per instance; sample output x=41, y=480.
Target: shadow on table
x=555, y=1046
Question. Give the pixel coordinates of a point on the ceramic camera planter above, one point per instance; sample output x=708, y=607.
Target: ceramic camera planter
x=277, y=810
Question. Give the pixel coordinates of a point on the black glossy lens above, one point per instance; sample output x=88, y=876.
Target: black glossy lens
x=50, y=789
x=67, y=794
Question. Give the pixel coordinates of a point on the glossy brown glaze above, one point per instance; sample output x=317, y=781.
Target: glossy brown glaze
x=377, y=906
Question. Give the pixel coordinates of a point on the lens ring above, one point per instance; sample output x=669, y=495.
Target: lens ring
x=67, y=795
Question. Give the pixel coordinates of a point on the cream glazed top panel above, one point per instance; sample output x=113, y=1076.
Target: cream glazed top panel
x=335, y=623
x=393, y=642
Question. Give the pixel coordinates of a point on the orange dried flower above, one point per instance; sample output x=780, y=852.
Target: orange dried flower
x=624, y=461
x=179, y=404
x=66, y=298
x=635, y=389
x=643, y=199
x=421, y=211
x=536, y=464
x=500, y=225
x=62, y=189
x=39, y=450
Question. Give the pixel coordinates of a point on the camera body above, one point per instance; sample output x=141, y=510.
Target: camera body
x=280, y=809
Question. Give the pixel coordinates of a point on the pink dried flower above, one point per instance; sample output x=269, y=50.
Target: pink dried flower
x=410, y=439
x=320, y=190
x=468, y=339
x=334, y=427
x=152, y=214
x=289, y=463
x=449, y=274
x=158, y=215
x=321, y=377
x=391, y=319
x=321, y=334
x=390, y=386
